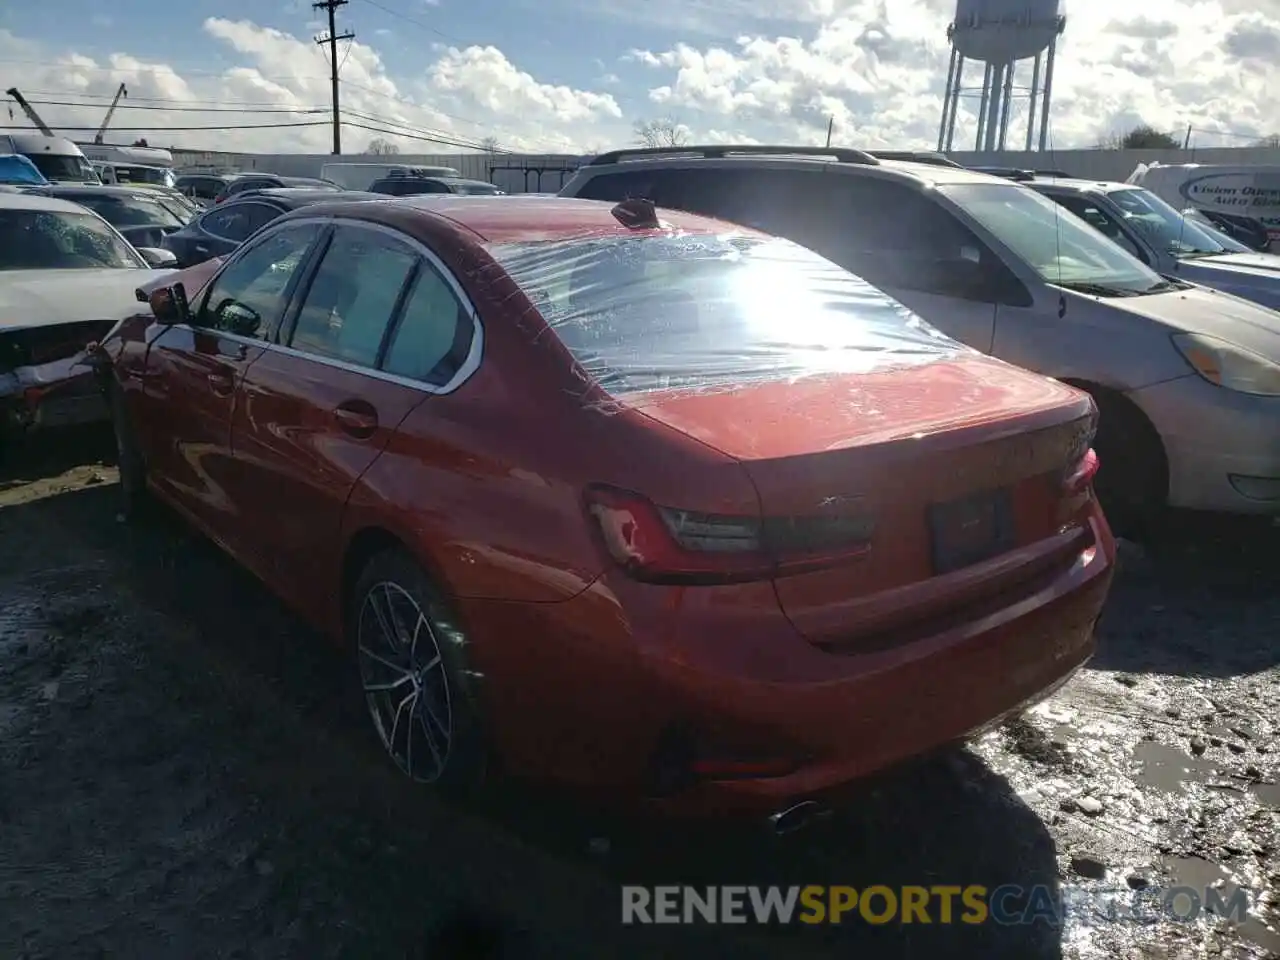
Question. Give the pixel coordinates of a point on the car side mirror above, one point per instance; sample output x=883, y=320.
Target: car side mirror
x=239, y=319
x=158, y=257
x=169, y=304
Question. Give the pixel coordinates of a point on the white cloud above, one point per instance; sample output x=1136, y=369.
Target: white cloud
x=754, y=72
x=878, y=68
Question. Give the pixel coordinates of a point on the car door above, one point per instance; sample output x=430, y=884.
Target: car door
x=317, y=411
x=193, y=371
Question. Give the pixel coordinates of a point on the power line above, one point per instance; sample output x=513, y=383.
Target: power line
x=408, y=19
x=166, y=129
x=180, y=109
x=408, y=132
x=331, y=8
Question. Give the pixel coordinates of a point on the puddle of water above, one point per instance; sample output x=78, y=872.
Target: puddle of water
x=1202, y=874
x=1267, y=794
x=1167, y=768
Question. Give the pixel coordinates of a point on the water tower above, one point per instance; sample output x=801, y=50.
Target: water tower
x=1001, y=34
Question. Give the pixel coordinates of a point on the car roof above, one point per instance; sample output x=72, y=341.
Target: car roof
x=512, y=219
x=1080, y=185
x=451, y=181
x=108, y=190
x=721, y=157
x=301, y=196
x=39, y=201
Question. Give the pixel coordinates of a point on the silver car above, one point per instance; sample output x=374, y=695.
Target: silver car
x=1166, y=240
x=1187, y=378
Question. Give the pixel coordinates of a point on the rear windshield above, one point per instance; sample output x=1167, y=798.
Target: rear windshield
x=674, y=311
x=122, y=211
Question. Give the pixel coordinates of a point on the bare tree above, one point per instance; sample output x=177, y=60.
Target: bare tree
x=1270, y=140
x=379, y=147
x=489, y=144
x=663, y=132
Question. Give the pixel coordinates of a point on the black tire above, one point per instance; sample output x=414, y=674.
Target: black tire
x=129, y=458
x=1133, y=481
x=393, y=583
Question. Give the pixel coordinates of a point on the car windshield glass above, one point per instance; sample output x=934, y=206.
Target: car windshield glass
x=1054, y=242
x=476, y=189
x=664, y=312
x=121, y=211
x=58, y=167
x=49, y=240
x=1228, y=243
x=1162, y=226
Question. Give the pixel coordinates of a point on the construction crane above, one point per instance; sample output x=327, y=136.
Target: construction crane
x=30, y=111
x=106, y=121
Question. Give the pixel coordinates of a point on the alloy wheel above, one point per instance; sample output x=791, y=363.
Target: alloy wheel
x=405, y=682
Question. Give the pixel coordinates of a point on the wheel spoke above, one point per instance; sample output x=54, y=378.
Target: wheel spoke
x=412, y=694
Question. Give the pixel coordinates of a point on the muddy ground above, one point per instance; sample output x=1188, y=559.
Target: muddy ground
x=185, y=772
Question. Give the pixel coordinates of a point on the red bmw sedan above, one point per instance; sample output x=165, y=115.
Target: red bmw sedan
x=630, y=500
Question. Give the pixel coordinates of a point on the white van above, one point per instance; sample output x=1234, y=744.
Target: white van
x=1229, y=190
x=358, y=176
x=131, y=174
x=60, y=160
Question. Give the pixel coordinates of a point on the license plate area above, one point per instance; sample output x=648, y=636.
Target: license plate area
x=972, y=529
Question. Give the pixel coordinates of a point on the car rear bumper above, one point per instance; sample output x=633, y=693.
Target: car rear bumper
x=580, y=692
x=1223, y=447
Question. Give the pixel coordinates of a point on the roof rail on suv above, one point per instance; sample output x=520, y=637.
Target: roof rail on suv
x=717, y=151
x=918, y=156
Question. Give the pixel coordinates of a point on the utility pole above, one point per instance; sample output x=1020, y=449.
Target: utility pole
x=831, y=125
x=331, y=7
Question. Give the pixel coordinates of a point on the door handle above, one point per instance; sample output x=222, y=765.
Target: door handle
x=201, y=249
x=357, y=418
x=222, y=382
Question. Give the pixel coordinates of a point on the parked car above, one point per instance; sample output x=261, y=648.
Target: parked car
x=270, y=181
x=142, y=217
x=217, y=232
x=1165, y=239
x=535, y=460
x=1186, y=378
x=203, y=188
x=410, y=186
x=66, y=277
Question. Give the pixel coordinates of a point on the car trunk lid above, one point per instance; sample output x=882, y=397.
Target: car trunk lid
x=951, y=476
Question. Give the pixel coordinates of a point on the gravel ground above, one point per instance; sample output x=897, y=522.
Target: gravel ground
x=185, y=772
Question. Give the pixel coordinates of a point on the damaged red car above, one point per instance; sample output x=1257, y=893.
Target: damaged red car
x=630, y=500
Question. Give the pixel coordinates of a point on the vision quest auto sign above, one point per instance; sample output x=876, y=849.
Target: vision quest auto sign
x=938, y=904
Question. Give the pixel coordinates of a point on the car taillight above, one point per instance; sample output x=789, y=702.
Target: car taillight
x=665, y=545
x=1079, y=476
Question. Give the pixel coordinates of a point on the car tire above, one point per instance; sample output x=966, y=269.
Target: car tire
x=1133, y=480
x=415, y=677
x=129, y=459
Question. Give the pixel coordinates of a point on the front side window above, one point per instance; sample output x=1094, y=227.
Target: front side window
x=350, y=302
x=49, y=240
x=1060, y=247
x=693, y=311
x=248, y=297
x=239, y=221
x=1162, y=226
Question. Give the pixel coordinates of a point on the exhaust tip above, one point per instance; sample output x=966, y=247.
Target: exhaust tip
x=796, y=817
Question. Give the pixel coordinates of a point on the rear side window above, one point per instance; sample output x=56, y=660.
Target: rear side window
x=433, y=337
x=238, y=221
x=693, y=311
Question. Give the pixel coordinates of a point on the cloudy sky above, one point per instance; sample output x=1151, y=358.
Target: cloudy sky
x=576, y=75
